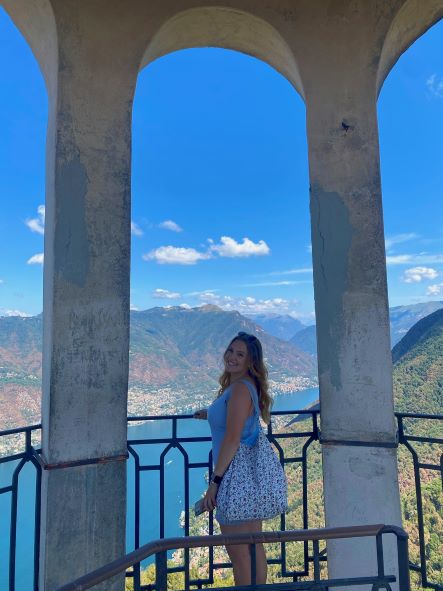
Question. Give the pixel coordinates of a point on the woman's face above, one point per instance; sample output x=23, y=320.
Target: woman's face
x=236, y=358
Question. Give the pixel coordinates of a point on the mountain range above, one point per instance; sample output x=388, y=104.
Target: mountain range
x=175, y=357
x=282, y=326
x=304, y=337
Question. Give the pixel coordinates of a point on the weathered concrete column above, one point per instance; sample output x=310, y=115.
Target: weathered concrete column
x=358, y=430
x=86, y=297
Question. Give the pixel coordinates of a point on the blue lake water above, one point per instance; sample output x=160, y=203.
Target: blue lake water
x=149, y=488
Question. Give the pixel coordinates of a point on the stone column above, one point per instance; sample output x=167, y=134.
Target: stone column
x=86, y=298
x=358, y=430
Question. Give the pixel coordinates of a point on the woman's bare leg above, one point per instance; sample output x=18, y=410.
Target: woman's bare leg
x=240, y=557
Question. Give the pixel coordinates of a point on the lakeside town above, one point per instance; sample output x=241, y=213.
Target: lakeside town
x=141, y=402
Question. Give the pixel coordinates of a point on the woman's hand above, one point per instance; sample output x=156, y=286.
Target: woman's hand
x=209, y=500
x=201, y=414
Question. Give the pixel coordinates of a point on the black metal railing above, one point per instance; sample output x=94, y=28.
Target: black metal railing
x=21, y=437
x=180, y=438
x=159, y=548
x=405, y=421
x=180, y=442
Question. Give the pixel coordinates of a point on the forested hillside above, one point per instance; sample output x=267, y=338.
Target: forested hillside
x=418, y=367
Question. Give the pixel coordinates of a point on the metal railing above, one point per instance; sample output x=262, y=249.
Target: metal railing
x=28, y=456
x=159, y=548
x=305, y=435
x=178, y=442
x=408, y=440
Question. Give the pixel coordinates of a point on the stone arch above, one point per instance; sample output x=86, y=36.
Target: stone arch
x=226, y=28
x=412, y=20
x=35, y=21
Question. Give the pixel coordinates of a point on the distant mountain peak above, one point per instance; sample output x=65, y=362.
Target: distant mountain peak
x=209, y=308
x=282, y=326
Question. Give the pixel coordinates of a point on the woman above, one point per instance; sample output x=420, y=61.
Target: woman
x=233, y=418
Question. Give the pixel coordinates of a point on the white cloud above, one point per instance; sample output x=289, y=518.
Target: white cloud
x=15, y=313
x=37, y=224
x=231, y=248
x=165, y=294
x=300, y=271
x=136, y=230
x=209, y=297
x=170, y=225
x=134, y=308
x=434, y=290
x=415, y=259
x=279, y=305
x=435, y=85
x=400, y=259
x=274, y=283
x=309, y=248
x=247, y=304
x=190, y=256
x=399, y=238
x=417, y=274
x=198, y=293
x=36, y=259
x=171, y=255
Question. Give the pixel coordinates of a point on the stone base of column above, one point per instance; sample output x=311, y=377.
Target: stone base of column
x=360, y=487
x=83, y=523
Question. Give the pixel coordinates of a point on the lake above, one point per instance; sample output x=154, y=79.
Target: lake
x=149, y=488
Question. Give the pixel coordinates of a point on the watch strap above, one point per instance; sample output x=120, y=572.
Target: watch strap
x=216, y=479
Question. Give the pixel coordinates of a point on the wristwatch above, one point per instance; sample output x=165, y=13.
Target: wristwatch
x=215, y=479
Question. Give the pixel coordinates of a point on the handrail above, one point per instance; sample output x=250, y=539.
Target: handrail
x=418, y=415
x=21, y=429
x=26, y=452
x=130, y=419
x=163, y=545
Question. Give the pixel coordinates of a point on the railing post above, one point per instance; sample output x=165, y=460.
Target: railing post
x=403, y=563
x=316, y=552
x=380, y=557
x=161, y=571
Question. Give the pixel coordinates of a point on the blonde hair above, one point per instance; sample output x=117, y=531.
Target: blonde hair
x=256, y=370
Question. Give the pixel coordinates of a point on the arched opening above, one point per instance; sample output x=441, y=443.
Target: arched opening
x=28, y=91
x=24, y=116
x=226, y=157
x=225, y=28
x=23, y=121
x=221, y=235
x=410, y=109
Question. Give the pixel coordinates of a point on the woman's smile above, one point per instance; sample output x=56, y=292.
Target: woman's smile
x=236, y=358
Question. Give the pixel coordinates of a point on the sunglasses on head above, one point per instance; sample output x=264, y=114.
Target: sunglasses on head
x=246, y=335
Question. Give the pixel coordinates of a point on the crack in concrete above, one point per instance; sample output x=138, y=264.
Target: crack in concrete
x=322, y=238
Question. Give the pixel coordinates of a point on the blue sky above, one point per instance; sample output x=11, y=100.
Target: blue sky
x=220, y=204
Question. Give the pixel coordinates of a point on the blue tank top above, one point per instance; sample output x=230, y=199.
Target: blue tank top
x=217, y=414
